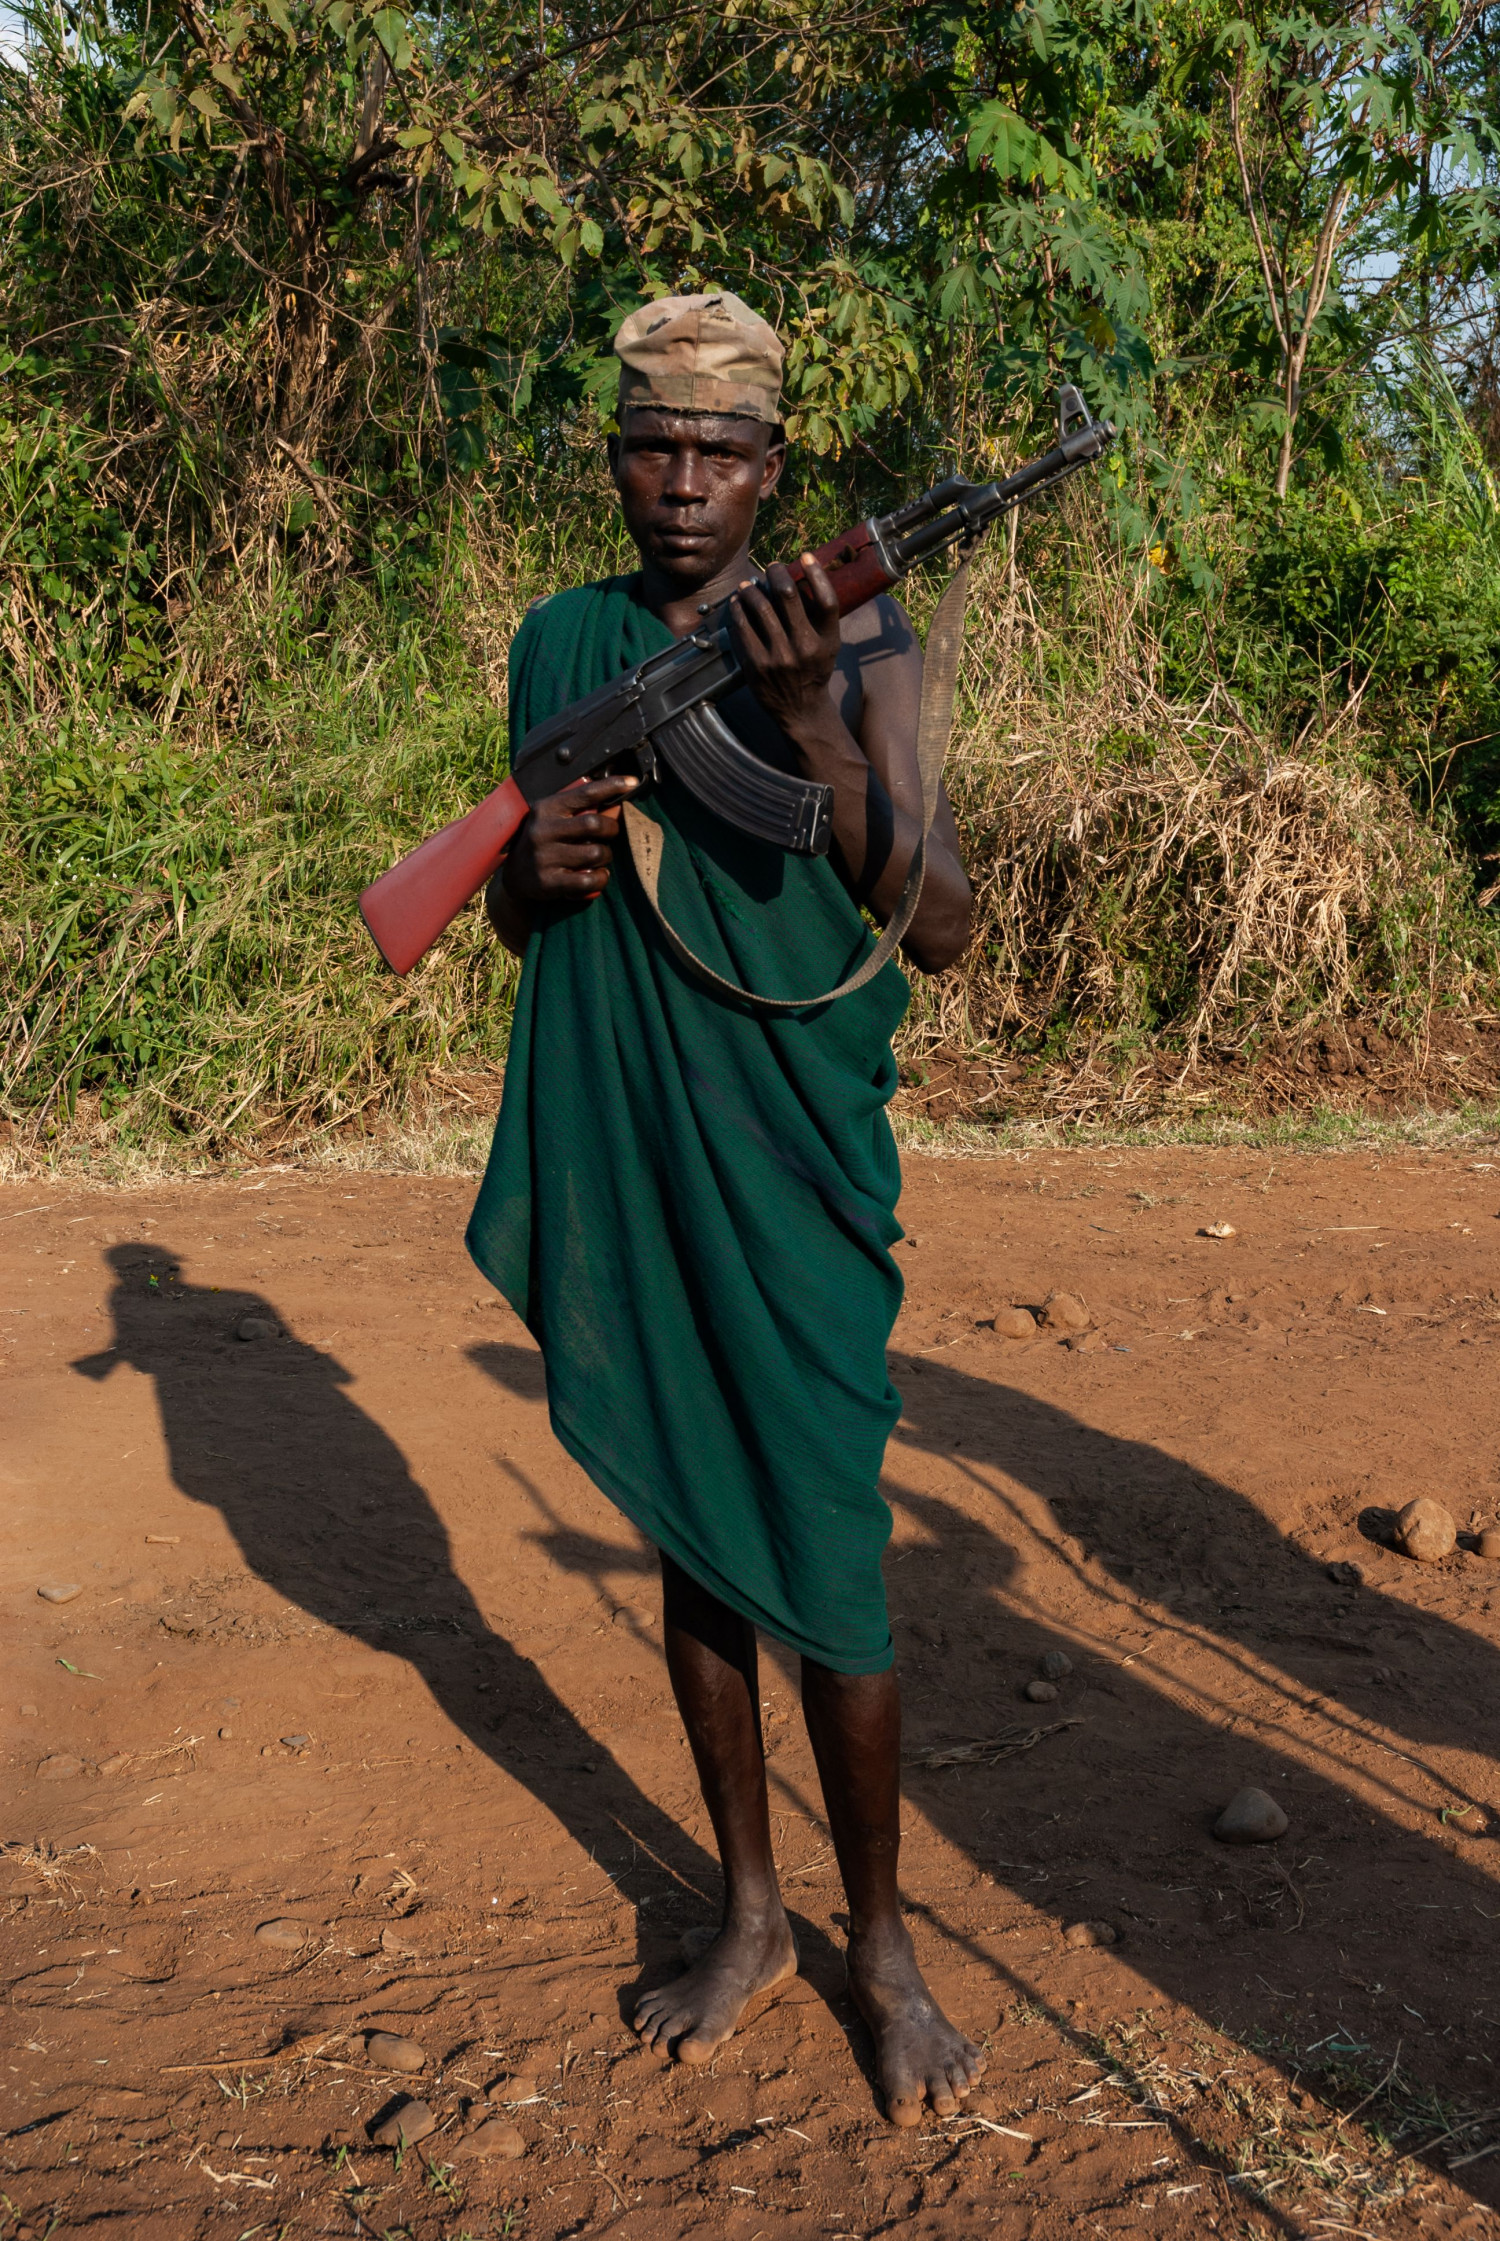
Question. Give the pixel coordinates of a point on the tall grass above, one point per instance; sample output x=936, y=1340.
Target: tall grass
x=1155, y=872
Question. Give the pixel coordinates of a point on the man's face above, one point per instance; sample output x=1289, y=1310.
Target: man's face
x=689, y=486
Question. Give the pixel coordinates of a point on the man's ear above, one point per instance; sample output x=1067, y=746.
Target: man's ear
x=612, y=454
x=771, y=473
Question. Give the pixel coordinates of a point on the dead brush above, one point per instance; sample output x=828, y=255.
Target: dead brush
x=1155, y=883
x=54, y=1868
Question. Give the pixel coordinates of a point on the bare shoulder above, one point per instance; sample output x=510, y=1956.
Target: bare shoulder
x=879, y=631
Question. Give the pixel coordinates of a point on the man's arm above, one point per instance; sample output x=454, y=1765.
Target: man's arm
x=789, y=645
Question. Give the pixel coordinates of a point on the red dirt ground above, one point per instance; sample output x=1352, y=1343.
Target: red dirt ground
x=357, y=1529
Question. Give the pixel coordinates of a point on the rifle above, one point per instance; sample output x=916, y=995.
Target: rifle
x=663, y=714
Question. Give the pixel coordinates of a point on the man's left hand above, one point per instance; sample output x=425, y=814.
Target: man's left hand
x=787, y=639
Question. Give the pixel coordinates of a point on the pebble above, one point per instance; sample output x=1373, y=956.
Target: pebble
x=1086, y=1342
x=1488, y=1544
x=495, y=2137
x=1345, y=1575
x=255, y=1326
x=59, y=1770
x=1039, y=1692
x=1250, y=1817
x=387, y=2050
x=392, y=1942
x=28, y=1712
x=58, y=1594
x=1062, y=1312
x=521, y=2087
x=115, y=1765
x=286, y=1933
x=412, y=2121
x=1219, y=1229
x=1056, y=1665
x=1425, y=1530
x=163, y=1540
x=1014, y=1322
x=1090, y=1933
x=226, y=1735
x=296, y=1742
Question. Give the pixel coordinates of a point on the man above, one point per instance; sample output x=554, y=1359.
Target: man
x=692, y=1207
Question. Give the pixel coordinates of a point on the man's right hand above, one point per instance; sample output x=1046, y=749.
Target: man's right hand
x=560, y=856
x=562, y=852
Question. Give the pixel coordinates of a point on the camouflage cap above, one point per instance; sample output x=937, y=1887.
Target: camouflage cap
x=709, y=354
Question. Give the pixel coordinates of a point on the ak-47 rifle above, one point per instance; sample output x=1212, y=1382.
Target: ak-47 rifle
x=663, y=715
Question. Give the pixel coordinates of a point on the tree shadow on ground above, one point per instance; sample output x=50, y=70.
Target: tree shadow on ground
x=324, y=1509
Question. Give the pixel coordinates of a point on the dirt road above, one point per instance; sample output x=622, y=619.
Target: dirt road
x=357, y=1646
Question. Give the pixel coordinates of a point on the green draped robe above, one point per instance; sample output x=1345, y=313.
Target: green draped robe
x=692, y=1208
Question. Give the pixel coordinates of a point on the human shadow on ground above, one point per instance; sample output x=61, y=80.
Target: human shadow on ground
x=322, y=1504
x=1113, y=1818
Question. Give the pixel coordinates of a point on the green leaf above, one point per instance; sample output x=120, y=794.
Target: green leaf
x=390, y=28
x=591, y=235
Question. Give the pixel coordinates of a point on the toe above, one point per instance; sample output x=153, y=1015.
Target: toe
x=903, y=2110
x=695, y=2050
x=959, y=2081
x=944, y=2100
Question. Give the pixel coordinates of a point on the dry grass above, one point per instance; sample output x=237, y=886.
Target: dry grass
x=1157, y=886
x=1155, y=876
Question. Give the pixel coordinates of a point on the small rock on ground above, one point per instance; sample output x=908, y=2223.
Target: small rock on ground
x=389, y=2051
x=1345, y=1575
x=391, y=1941
x=1055, y=1665
x=1425, y=1530
x=1090, y=1933
x=59, y=1769
x=1488, y=1543
x=1061, y=1311
x=290, y=1936
x=58, y=1594
x=255, y=1326
x=1040, y=1692
x=520, y=2087
x=1250, y=1817
x=115, y=1764
x=1014, y=1322
x=493, y=2138
x=412, y=2121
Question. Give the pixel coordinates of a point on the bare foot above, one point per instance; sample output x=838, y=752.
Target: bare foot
x=920, y=2056
x=698, y=2011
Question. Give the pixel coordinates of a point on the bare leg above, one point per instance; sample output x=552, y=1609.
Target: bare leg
x=854, y=1720
x=711, y=1658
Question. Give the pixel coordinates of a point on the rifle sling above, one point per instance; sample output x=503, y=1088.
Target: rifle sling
x=934, y=726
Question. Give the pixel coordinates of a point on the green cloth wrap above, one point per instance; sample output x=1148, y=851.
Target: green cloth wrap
x=691, y=1208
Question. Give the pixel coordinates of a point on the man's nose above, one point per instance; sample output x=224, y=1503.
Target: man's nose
x=686, y=483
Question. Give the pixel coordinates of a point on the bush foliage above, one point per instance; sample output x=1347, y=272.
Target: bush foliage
x=305, y=313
